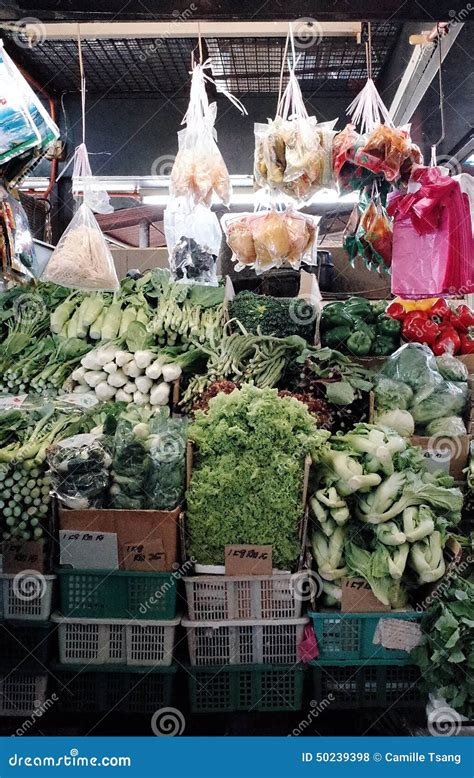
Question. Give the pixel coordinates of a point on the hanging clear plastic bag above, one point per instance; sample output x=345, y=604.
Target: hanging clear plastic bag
x=380, y=149
x=199, y=170
x=24, y=247
x=293, y=153
x=83, y=182
x=193, y=237
x=82, y=259
x=267, y=239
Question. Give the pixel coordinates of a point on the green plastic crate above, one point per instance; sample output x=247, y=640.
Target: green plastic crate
x=87, y=689
x=350, y=635
x=249, y=688
x=362, y=685
x=102, y=594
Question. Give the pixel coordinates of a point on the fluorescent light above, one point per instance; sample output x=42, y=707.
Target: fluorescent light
x=469, y=161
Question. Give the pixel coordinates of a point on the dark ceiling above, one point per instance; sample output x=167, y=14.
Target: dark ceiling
x=337, y=10
x=333, y=66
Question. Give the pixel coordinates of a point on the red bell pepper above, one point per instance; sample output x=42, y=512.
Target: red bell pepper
x=462, y=318
x=467, y=341
x=419, y=328
x=440, y=311
x=447, y=342
x=396, y=311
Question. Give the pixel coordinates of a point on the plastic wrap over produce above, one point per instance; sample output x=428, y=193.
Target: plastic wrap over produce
x=193, y=237
x=267, y=239
x=412, y=381
x=79, y=470
x=82, y=259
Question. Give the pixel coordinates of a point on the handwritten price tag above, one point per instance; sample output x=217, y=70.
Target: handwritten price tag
x=145, y=557
x=88, y=550
x=248, y=560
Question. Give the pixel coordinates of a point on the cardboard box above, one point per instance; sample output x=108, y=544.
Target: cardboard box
x=443, y=453
x=308, y=292
x=468, y=360
x=131, y=527
x=357, y=597
x=19, y=555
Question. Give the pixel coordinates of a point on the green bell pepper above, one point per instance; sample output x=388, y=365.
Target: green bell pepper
x=336, y=337
x=359, y=344
x=384, y=345
x=379, y=307
x=362, y=326
x=388, y=326
x=334, y=315
x=359, y=307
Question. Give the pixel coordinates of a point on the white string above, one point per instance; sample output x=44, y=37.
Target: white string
x=368, y=109
x=198, y=108
x=433, y=161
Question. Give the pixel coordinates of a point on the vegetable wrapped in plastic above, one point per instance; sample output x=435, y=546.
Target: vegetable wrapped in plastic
x=80, y=471
x=193, y=237
x=166, y=476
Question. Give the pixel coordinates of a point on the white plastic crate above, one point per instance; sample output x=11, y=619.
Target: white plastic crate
x=20, y=695
x=27, y=595
x=218, y=597
x=250, y=641
x=115, y=641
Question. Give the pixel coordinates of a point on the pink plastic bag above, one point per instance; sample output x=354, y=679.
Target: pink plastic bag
x=308, y=648
x=433, y=249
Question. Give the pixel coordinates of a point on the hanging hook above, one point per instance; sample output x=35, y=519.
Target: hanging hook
x=441, y=98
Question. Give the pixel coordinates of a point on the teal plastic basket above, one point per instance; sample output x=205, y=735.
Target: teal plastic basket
x=361, y=685
x=249, y=688
x=347, y=636
x=87, y=689
x=118, y=594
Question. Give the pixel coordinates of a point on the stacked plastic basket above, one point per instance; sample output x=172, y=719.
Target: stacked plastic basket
x=243, y=635
x=25, y=642
x=116, y=640
x=354, y=672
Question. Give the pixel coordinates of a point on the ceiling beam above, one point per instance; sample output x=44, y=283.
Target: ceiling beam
x=419, y=73
x=186, y=28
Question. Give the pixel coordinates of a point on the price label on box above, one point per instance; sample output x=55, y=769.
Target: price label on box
x=88, y=550
x=248, y=560
x=437, y=459
x=143, y=557
x=24, y=555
